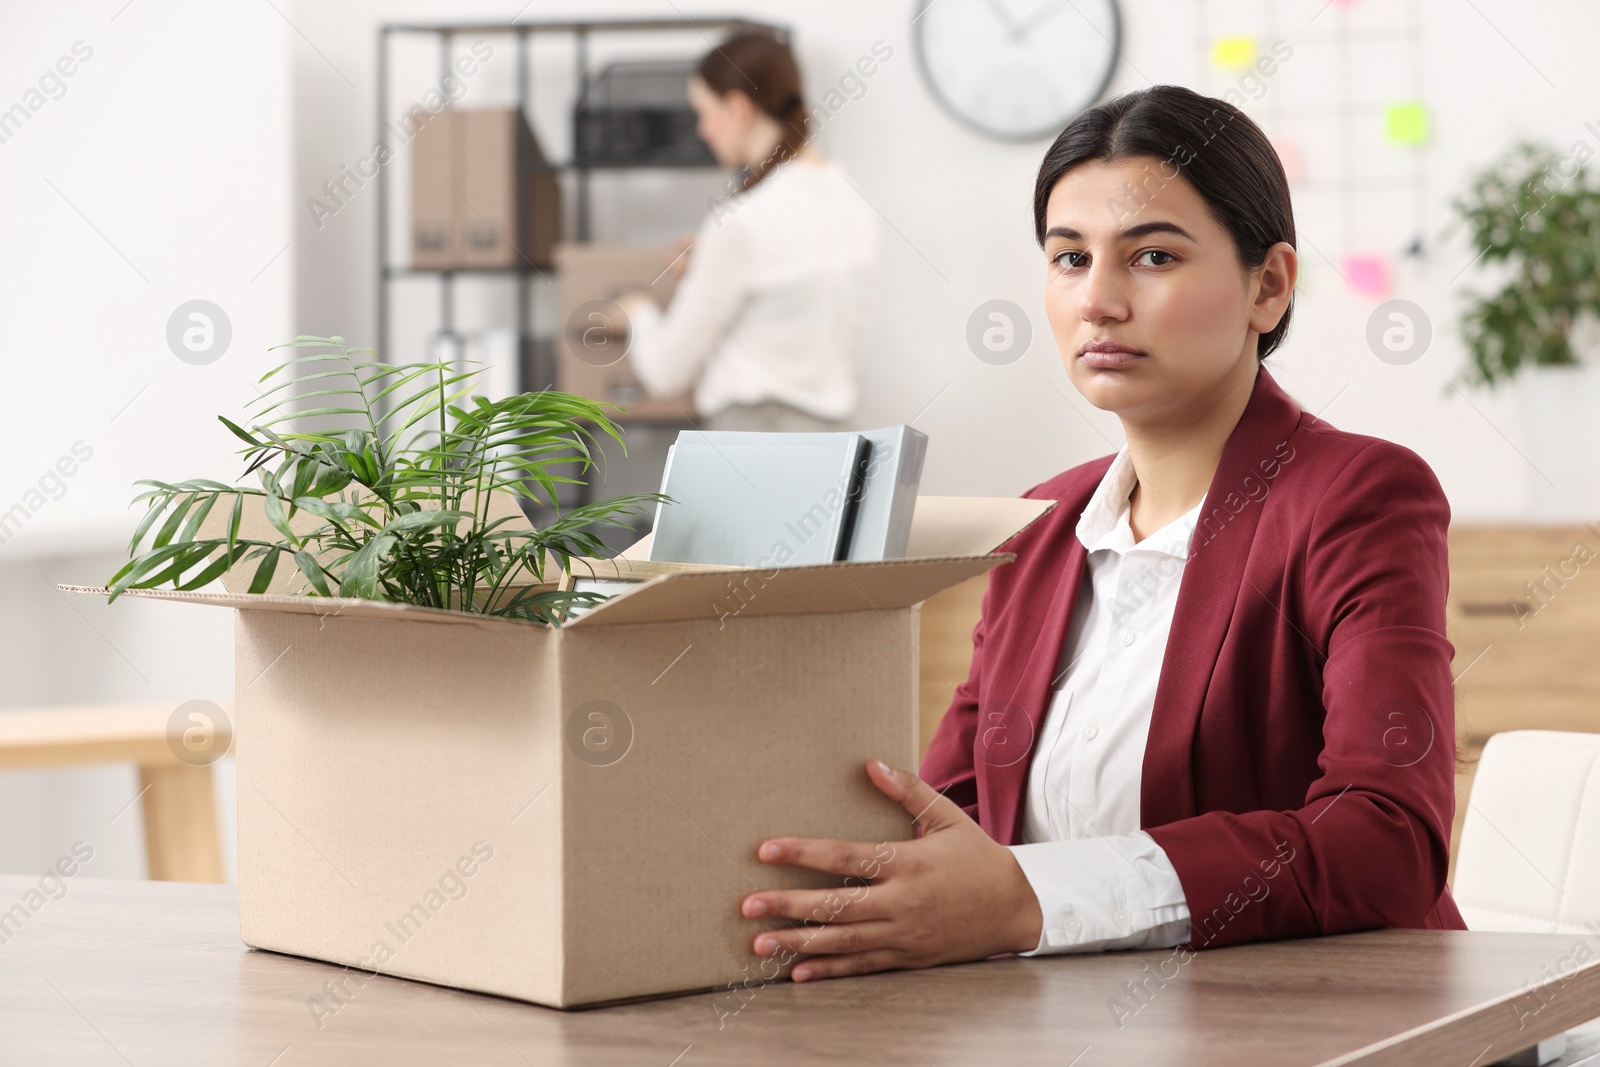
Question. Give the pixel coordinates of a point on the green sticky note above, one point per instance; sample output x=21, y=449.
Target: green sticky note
x=1233, y=53
x=1405, y=123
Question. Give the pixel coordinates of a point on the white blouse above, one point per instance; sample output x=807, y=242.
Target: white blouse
x=773, y=304
x=1102, y=882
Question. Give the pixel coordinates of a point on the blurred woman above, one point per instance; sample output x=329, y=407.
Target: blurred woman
x=769, y=314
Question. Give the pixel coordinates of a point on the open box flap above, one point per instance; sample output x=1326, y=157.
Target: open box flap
x=820, y=587
x=704, y=592
x=946, y=525
x=309, y=605
x=952, y=539
x=970, y=525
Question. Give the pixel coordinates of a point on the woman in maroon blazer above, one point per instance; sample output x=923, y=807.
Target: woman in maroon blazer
x=1298, y=771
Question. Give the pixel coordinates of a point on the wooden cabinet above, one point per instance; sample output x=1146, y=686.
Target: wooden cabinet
x=1524, y=617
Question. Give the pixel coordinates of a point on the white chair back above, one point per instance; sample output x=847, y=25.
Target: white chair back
x=1529, y=857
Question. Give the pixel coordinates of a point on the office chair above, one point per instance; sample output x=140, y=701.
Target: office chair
x=1529, y=857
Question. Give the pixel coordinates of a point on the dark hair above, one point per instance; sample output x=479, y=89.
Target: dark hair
x=763, y=68
x=1224, y=155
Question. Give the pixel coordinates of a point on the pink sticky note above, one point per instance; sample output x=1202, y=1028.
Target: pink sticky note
x=1289, y=155
x=1368, y=275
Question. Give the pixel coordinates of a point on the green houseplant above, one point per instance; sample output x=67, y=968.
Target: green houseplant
x=399, y=501
x=1537, y=215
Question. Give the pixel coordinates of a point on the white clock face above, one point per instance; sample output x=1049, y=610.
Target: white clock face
x=1016, y=69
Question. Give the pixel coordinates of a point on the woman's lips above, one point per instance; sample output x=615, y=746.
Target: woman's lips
x=1113, y=360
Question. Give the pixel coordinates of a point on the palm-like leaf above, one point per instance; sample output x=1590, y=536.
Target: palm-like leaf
x=400, y=498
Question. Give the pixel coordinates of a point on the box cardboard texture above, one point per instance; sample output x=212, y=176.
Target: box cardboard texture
x=482, y=196
x=569, y=815
x=591, y=278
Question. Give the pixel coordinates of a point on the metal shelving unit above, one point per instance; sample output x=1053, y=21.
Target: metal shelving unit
x=581, y=32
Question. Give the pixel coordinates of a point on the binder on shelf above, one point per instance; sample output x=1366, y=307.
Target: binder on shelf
x=482, y=195
x=433, y=155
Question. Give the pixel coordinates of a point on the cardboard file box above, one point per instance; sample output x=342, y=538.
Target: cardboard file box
x=482, y=196
x=433, y=201
x=570, y=816
x=591, y=359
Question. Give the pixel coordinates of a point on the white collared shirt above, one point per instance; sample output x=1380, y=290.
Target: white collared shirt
x=1102, y=882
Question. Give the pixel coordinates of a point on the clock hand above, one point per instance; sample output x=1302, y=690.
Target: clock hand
x=1038, y=19
x=1005, y=18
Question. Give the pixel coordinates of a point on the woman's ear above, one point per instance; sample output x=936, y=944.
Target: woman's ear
x=739, y=105
x=1274, y=286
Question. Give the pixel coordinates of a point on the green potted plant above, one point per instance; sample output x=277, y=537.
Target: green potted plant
x=399, y=504
x=1535, y=217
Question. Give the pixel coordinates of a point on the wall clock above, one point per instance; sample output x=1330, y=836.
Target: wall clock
x=1016, y=70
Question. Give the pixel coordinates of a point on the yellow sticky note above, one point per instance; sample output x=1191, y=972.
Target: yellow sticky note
x=1405, y=122
x=1233, y=53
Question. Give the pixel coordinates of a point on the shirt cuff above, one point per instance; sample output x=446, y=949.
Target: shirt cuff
x=1100, y=893
x=644, y=328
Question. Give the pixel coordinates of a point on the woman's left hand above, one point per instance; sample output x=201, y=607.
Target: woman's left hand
x=951, y=894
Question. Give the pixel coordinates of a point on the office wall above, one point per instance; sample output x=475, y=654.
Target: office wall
x=149, y=166
x=956, y=210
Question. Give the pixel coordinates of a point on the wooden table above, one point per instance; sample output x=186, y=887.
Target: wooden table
x=154, y=973
x=181, y=839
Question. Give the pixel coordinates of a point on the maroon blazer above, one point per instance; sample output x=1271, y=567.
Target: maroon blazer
x=1300, y=767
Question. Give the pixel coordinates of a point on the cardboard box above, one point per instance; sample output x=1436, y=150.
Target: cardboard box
x=591, y=357
x=570, y=816
x=482, y=195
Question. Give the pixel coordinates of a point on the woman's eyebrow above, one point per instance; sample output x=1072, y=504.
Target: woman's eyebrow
x=1067, y=233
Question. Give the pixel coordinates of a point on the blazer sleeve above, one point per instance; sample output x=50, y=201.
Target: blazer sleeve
x=1370, y=846
x=948, y=765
